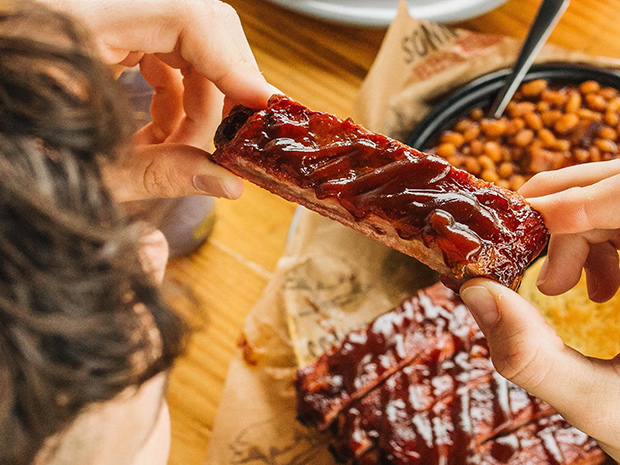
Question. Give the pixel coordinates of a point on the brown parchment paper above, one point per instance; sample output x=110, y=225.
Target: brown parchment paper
x=331, y=279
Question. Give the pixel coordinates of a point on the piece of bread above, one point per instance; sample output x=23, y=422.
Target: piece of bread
x=591, y=328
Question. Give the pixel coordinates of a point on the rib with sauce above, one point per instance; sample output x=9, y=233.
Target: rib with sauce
x=443, y=404
x=427, y=330
x=419, y=204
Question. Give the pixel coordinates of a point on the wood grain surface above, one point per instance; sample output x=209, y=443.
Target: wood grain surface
x=322, y=65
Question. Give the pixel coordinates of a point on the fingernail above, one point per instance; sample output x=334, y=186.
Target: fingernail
x=542, y=276
x=214, y=186
x=482, y=305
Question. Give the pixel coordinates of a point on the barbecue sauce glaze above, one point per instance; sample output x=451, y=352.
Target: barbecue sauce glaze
x=421, y=196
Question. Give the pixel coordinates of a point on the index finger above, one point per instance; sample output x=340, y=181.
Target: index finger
x=206, y=34
x=551, y=182
x=582, y=209
x=213, y=42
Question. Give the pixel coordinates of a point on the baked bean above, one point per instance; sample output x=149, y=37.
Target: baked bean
x=589, y=86
x=486, y=162
x=476, y=147
x=472, y=132
x=545, y=128
x=446, y=150
x=606, y=145
x=547, y=137
x=614, y=105
x=584, y=113
x=612, y=118
x=535, y=145
x=493, y=128
x=608, y=133
x=534, y=88
x=566, y=123
x=554, y=97
x=550, y=117
x=463, y=125
x=581, y=155
x=503, y=183
x=608, y=93
x=493, y=151
x=574, y=103
x=514, y=126
x=454, y=138
x=456, y=160
x=506, y=170
x=595, y=102
x=473, y=166
x=490, y=175
x=521, y=108
x=534, y=121
x=524, y=137
x=477, y=114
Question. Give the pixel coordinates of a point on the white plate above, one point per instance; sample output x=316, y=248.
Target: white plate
x=382, y=12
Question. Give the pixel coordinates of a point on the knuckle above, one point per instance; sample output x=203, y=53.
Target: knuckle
x=212, y=10
x=581, y=201
x=518, y=361
x=159, y=181
x=539, y=181
x=229, y=68
x=226, y=12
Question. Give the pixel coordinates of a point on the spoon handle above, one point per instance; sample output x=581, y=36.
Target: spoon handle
x=548, y=16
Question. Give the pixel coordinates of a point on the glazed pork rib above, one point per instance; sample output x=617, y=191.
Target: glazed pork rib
x=389, y=402
x=425, y=330
x=419, y=204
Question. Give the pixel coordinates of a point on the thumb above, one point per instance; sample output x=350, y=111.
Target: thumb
x=527, y=351
x=167, y=171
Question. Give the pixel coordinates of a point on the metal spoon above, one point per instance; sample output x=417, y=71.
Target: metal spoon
x=548, y=16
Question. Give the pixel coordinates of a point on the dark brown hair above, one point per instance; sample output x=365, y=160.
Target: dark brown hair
x=73, y=297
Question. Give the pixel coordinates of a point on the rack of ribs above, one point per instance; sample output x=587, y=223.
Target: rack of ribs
x=419, y=204
x=417, y=387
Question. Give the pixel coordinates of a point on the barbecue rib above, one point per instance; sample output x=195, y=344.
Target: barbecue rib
x=419, y=204
x=426, y=330
x=435, y=401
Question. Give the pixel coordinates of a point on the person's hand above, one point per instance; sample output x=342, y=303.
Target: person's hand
x=581, y=208
x=528, y=352
x=193, y=53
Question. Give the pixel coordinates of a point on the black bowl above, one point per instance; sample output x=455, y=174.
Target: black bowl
x=480, y=92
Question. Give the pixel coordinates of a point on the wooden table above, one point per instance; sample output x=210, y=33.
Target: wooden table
x=322, y=65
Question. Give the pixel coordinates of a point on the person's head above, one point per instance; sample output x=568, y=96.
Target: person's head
x=80, y=321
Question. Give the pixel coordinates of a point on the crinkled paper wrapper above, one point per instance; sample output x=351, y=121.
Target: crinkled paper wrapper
x=331, y=279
